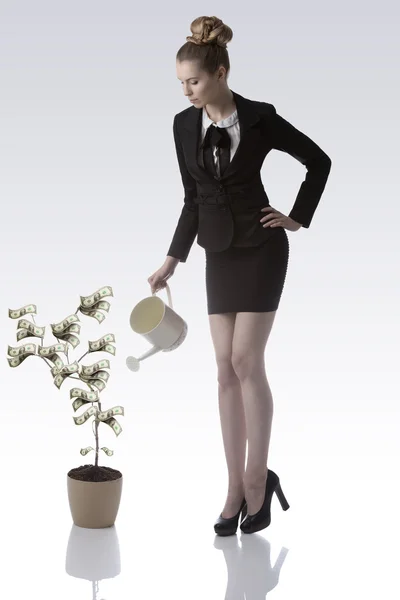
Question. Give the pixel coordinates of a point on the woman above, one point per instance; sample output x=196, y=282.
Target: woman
x=221, y=142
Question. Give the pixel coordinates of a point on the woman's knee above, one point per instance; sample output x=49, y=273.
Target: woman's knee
x=247, y=364
x=226, y=372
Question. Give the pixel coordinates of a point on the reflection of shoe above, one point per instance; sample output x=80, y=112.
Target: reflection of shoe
x=229, y=526
x=262, y=519
x=229, y=544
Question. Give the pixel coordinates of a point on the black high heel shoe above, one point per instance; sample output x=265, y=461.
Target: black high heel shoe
x=262, y=519
x=224, y=526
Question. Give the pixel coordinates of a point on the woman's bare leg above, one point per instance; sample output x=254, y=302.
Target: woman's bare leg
x=231, y=410
x=249, y=340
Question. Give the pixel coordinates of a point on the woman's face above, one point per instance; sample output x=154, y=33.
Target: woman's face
x=197, y=85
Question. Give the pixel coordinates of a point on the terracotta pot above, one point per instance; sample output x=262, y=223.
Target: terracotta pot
x=94, y=504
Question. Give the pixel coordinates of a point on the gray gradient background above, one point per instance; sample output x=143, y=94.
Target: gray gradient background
x=90, y=196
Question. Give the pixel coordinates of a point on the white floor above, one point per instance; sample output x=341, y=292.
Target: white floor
x=339, y=539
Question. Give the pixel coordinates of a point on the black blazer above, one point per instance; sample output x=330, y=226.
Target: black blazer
x=225, y=211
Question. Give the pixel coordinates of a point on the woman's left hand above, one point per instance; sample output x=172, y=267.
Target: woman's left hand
x=278, y=219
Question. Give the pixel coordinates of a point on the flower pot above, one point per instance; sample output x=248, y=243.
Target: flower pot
x=94, y=495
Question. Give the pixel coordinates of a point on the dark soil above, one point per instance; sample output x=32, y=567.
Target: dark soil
x=93, y=473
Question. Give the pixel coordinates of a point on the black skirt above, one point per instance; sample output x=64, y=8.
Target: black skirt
x=247, y=279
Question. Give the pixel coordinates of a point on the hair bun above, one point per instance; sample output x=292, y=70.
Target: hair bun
x=209, y=30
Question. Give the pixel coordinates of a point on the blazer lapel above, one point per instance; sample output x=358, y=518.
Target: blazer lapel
x=248, y=116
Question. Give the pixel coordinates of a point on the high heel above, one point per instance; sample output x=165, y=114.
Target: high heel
x=224, y=526
x=262, y=518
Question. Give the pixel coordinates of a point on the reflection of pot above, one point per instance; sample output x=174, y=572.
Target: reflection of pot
x=159, y=324
x=93, y=554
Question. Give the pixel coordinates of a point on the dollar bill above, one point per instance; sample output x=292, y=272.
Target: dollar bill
x=67, y=369
x=74, y=328
x=59, y=380
x=65, y=372
x=115, y=426
x=31, y=328
x=90, y=369
x=29, y=309
x=22, y=334
x=70, y=338
x=49, y=350
x=83, y=397
x=62, y=325
x=108, y=348
x=102, y=305
x=100, y=385
x=107, y=451
x=58, y=362
x=103, y=344
x=55, y=370
x=19, y=350
x=90, y=301
x=99, y=382
x=86, y=450
x=107, y=414
x=84, y=394
x=103, y=375
x=78, y=403
x=90, y=412
x=96, y=314
x=15, y=361
x=95, y=345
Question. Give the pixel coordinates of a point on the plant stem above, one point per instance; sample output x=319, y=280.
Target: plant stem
x=97, y=443
x=96, y=430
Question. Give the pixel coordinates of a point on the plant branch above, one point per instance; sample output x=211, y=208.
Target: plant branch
x=79, y=359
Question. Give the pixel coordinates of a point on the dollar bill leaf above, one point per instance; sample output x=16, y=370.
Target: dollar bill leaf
x=115, y=426
x=90, y=412
x=29, y=309
x=86, y=450
x=90, y=301
x=107, y=451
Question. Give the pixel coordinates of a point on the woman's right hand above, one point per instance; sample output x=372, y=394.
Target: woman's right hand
x=158, y=280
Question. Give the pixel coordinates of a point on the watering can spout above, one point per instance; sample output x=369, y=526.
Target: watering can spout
x=134, y=363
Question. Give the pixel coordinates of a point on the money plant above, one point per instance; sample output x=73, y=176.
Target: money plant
x=94, y=376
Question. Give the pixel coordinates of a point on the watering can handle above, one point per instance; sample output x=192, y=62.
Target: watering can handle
x=168, y=294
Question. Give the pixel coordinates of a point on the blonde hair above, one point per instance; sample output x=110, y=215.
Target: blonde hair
x=207, y=45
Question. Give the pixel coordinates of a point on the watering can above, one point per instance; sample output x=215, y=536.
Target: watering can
x=158, y=323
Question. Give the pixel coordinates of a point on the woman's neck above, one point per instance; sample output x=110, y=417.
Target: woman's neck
x=217, y=111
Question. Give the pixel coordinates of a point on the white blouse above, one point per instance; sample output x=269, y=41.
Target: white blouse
x=232, y=125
